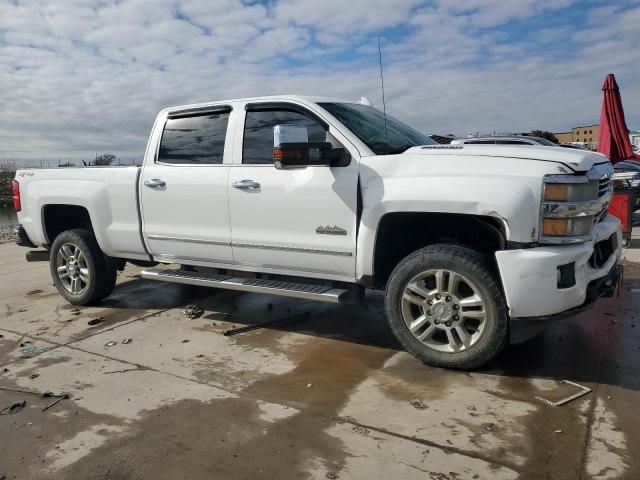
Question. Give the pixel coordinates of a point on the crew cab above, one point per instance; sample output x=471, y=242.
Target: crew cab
x=320, y=199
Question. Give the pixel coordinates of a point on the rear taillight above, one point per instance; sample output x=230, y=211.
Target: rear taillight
x=15, y=191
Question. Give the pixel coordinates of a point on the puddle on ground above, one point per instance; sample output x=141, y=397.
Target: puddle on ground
x=227, y=438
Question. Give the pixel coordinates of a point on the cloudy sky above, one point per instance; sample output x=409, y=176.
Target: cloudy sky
x=85, y=76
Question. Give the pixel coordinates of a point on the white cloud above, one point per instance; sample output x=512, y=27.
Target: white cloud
x=78, y=77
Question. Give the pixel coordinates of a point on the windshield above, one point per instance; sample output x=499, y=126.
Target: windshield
x=368, y=124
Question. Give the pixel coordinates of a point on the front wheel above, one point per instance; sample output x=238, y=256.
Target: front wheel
x=445, y=307
x=79, y=269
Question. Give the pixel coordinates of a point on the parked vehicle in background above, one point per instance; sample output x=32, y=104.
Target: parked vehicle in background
x=473, y=245
x=504, y=140
x=574, y=146
x=627, y=176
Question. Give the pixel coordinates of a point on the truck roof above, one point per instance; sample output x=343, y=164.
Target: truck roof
x=276, y=98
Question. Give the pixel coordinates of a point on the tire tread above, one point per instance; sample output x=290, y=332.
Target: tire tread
x=104, y=275
x=474, y=262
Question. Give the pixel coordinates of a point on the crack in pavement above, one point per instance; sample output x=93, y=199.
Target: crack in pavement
x=592, y=407
x=311, y=411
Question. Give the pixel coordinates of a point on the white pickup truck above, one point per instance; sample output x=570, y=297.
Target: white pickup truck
x=319, y=199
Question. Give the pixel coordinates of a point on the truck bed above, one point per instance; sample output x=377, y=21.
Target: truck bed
x=109, y=194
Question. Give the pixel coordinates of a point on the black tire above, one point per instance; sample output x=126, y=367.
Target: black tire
x=101, y=275
x=465, y=262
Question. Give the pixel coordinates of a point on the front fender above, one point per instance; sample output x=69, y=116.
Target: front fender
x=511, y=198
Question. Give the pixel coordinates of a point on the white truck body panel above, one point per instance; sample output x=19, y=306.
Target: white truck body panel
x=529, y=275
x=305, y=221
x=106, y=194
x=275, y=226
x=187, y=220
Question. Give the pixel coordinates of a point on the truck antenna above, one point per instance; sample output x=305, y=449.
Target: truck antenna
x=384, y=106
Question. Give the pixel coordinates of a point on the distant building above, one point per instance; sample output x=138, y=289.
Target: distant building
x=587, y=135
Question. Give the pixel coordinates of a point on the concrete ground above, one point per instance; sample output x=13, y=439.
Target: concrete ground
x=330, y=395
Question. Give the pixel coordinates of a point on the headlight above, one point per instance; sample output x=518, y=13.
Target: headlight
x=570, y=192
x=567, y=227
x=572, y=204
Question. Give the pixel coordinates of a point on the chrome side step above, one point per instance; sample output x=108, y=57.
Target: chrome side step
x=274, y=287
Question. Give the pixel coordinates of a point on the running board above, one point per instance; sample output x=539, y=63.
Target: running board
x=273, y=287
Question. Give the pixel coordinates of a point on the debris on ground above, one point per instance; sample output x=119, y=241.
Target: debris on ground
x=193, y=311
x=488, y=427
x=332, y=475
x=61, y=397
x=309, y=385
x=472, y=408
x=360, y=430
x=558, y=431
x=34, y=375
x=34, y=292
x=417, y=403
x=95, y=321
x=47, y=394
x=32, y=349
x=110, y=344
x=583, y=391
x=185, y=341
x=13, y=407
x=127, y=341
x=248, y=328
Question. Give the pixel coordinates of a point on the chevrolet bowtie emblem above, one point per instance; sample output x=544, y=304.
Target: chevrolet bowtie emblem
x=328, y=230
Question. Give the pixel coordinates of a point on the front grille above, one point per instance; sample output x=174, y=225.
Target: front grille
x=605, y=186
x=603, y=174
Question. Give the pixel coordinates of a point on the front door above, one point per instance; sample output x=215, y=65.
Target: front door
x=183, y=192
x=300, y=220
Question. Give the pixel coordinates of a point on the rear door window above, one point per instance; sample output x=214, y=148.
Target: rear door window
x=195, y=139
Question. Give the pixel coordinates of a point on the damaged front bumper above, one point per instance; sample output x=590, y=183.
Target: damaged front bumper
x=524, y=328
x=555, y=281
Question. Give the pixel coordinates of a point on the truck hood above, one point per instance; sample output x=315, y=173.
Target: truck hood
x=577, y=160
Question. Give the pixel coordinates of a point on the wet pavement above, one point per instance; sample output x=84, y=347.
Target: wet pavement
x=329, y=394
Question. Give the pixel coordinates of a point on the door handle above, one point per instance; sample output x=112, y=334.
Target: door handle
x=246, y=184
x=155, y=183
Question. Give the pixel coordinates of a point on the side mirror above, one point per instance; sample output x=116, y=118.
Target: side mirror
x=292, y=149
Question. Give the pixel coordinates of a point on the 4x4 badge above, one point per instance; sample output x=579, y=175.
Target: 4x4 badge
x=328, y=230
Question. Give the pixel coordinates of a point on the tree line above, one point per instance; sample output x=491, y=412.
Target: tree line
x=8, y=171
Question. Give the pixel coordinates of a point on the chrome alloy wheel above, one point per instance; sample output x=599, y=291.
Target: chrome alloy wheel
x=72, y=270
x=444, y=310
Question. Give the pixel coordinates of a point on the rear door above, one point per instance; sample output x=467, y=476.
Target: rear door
x=183, y=191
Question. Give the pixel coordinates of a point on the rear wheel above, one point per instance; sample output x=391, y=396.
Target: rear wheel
x=445, y=307
x=79, y=269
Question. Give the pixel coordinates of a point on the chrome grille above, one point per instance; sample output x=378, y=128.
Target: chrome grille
x=603, y=174
x=605, y=186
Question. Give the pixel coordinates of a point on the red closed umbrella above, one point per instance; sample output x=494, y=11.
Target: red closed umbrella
x=614, y=135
